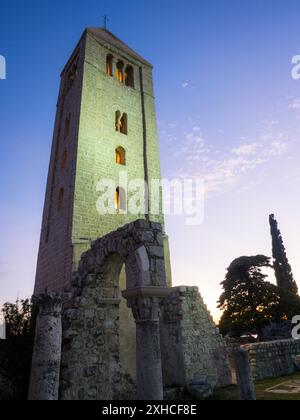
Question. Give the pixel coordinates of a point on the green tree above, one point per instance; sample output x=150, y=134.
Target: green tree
x=250, y=302
x=16, y=350
x=282, y=268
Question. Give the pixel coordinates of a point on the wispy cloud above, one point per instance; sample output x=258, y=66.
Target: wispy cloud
x=295, y=104
x=221, y=169
x=245, y=149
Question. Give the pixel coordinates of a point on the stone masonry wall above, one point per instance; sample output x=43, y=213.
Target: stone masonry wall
x=91, y=368
x=192, y=347
x=54, y=267
x=273, y=359
x=98, y=139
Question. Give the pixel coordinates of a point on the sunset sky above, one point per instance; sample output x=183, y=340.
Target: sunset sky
x=228, y=112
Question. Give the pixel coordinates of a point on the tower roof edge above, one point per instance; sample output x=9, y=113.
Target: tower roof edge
x=110, y=38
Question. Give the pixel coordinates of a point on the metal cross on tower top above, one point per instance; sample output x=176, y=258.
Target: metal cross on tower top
x=105, y=21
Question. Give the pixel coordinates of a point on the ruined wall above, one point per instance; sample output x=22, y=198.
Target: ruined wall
x=192, y=347
x=273, y=359
x=174, y=331
x=97, y=352
x=90, y=350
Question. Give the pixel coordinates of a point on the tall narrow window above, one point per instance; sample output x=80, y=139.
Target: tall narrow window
x=120, y=71
x=118, y=123
x=109, y=65
x=71, y=74
x=123, y=124
x=61, y=198
x=64, y=159
x=120, y=199
x=67, y=126
x=120, y=156
x=129, y=76
x=47, y=235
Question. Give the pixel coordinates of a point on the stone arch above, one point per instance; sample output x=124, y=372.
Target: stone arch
x=77, y=351
x=91, y=365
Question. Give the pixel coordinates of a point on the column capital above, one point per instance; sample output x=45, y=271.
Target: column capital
x=145, y=302
x=145, y=309
x=49, y=303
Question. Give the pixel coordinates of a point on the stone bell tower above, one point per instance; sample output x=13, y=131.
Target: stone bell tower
x=105, y=124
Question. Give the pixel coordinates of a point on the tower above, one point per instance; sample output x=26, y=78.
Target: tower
x=105, y=124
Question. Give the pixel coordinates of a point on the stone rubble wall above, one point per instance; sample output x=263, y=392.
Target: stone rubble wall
x=192, y=348
x=90, y=367
x=273, y=359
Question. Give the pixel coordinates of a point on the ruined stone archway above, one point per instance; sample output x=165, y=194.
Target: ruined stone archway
x=90, y=365
x=95, y=305
x=77, y=353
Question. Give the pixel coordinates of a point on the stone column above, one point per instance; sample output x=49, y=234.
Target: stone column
x=145, y=305
x=244, y=375
x=45, y=368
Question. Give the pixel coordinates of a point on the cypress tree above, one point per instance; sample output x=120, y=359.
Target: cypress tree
x=283, y=271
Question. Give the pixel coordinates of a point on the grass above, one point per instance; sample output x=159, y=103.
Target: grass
x=231, y=393
x=262, y=395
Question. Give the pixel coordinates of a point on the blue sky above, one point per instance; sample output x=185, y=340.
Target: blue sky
x=227, y=109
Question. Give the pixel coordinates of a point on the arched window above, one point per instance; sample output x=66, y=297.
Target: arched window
x=118, y=116
x=123, y=124
x=120, y=199
x=61, y=198
x=109, y=65
x=72, y=73
x=67, y=126
x=129, y=76
x=120, y=71
x=120, y=156
x=64, y=159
